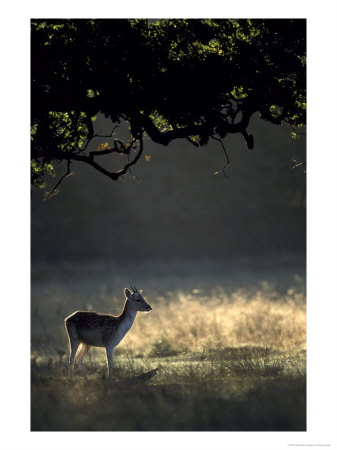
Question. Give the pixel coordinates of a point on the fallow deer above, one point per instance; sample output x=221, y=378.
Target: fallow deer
x=86, y=329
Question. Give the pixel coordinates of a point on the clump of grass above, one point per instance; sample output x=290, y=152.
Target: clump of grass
x=264, y=367
x=233, y=353
x=162, y=347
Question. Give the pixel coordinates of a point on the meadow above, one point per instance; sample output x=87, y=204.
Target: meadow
x=227, y=358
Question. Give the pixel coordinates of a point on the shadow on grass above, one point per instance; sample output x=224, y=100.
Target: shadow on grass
x=267, y=404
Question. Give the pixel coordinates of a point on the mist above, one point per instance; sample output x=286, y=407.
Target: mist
x=181, y=204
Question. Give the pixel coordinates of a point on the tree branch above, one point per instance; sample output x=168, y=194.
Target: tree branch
x=221, y=126
x=112, y=175
x=125, y=148
x=67, y=174
x=91, y=135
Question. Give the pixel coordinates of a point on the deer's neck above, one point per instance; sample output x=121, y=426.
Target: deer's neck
x=127, y=317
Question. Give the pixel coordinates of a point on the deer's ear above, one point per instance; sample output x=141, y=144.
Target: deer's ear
x=127, y=293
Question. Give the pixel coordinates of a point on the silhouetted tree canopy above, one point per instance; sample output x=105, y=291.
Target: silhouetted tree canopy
x=170, y=79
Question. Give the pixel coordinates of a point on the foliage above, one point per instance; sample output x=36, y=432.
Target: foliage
x=183, y=78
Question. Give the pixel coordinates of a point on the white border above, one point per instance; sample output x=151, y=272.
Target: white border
x=322, y=224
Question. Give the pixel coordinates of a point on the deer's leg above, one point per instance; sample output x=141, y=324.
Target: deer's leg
x=84, y=348
x=74, y=343
x=109, y=356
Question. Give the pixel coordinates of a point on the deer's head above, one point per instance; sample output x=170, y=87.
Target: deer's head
x=136, y=299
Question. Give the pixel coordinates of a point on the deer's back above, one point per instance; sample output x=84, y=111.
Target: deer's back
x=88, y=319
x=92, y=328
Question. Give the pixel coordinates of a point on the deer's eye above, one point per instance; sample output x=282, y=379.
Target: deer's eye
x=138, y=299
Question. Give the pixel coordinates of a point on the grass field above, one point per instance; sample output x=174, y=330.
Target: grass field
x=227, y=361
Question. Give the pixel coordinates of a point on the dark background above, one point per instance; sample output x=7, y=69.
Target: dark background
x=174, y=208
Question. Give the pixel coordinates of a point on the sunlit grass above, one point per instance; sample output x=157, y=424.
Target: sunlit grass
x=193, y=322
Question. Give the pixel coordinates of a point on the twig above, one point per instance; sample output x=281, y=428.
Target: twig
x=202, y=358
x=224, y=149
x=124, y=150
x=192, y=142
x=101, y=136
x=294, y=130
x=298, y=164
x=67, y=174
x=131, y=163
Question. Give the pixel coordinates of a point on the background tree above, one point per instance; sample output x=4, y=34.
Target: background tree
x=169, y=79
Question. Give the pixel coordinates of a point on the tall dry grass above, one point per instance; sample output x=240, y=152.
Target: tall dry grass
x=186, y=320
x=194, y=321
